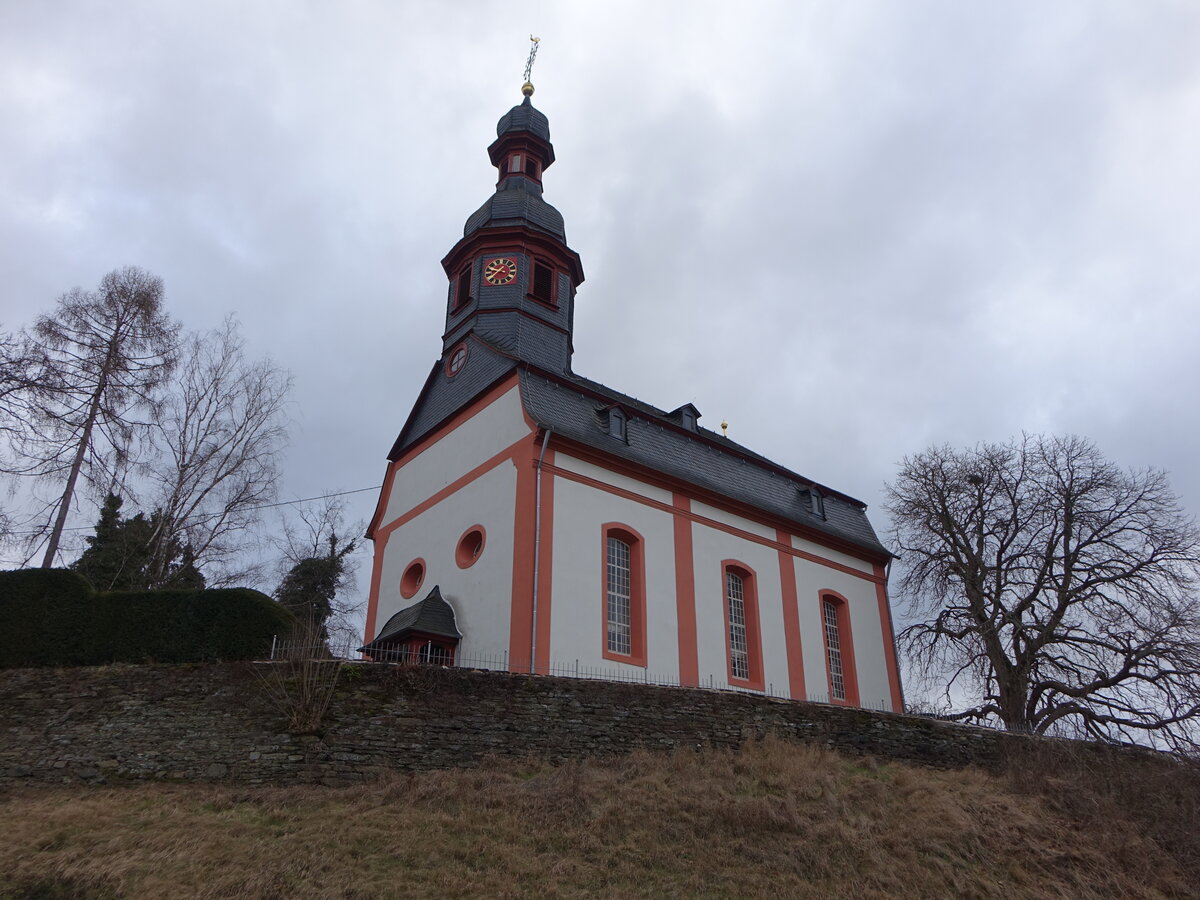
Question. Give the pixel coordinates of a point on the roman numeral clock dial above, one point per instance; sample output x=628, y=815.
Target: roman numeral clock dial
x=500, y=271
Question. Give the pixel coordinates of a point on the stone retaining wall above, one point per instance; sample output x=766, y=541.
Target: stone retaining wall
x=217, y=722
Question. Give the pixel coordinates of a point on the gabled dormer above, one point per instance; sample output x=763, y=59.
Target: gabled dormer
x=512, y=277
x=687, y=416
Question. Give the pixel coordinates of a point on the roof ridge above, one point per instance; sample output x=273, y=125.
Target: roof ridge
x=718, y=442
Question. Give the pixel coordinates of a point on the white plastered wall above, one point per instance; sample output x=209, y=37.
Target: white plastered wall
x=865, y=626
x=577, y=609
x=710, y=547
x=489, y=431
x=481, y=594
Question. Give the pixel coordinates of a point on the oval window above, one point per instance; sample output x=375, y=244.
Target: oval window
x=410, y=581
x=456, y=361
x=470, y=546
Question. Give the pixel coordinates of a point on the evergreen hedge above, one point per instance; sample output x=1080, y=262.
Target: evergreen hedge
x=52, y=617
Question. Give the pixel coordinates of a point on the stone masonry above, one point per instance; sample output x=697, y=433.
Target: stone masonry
x=217, y=722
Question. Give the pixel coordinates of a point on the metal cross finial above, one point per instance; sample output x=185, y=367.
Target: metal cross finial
x=527, y=87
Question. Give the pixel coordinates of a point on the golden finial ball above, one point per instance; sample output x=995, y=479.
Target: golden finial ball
x=527, y=89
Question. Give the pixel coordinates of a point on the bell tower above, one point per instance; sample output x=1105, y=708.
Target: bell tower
x=512, y=277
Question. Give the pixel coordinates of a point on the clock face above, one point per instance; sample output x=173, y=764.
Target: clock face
x=500, y=271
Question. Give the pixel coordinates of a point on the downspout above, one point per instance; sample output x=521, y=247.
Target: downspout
x=887, y=595
x=537, y=550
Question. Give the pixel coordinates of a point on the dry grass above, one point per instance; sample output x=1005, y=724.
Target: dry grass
x=774, y=820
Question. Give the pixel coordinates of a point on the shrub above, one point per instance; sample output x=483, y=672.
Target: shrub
x=53, y=618
x=42, y=614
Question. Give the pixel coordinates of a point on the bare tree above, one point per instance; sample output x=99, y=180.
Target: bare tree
x=98, y=359
x=1055, y=588
x=218, y=432
x=317, y=581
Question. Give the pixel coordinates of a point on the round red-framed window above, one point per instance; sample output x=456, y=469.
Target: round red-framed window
x=456, y=360
x=413, y=577
x=470, y=546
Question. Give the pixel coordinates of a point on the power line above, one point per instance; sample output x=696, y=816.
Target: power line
x=203, y=516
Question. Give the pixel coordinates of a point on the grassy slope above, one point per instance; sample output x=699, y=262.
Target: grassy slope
x=775, y=819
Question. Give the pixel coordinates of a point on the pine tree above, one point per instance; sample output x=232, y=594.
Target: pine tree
x=119, y=556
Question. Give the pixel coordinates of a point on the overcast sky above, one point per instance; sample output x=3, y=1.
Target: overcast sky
x=852, y=229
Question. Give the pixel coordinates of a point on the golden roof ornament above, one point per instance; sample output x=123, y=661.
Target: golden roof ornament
x=527, y=87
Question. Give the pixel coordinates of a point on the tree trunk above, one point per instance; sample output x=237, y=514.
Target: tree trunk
x=64, y=506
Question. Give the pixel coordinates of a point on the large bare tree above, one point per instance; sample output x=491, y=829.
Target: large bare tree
x=317, y=570
x=217, y=434
x=1052, y=589
x=99, y=361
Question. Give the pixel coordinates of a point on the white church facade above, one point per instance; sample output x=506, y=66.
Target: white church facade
x=534, y=518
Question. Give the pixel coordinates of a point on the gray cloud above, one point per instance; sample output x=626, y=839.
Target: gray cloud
x=852, y=230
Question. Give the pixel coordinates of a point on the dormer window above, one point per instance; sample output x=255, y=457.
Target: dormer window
x=543, y=282
x=616, y=422
x=687, y=416
x=816, y=503
x=811, y=498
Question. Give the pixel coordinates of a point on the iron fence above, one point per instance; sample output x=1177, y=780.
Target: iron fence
x=347, y=650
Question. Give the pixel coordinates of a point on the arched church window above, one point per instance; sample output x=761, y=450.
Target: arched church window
x=624, y=595
x=743, y=643
x=839, y=649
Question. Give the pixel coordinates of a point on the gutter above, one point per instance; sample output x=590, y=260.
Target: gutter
x=537, y=549
x=887, y=596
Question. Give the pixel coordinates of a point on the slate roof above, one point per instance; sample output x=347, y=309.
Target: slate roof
x=517, y=201
x=523, y=117
x=433, y=615
x=572, y=406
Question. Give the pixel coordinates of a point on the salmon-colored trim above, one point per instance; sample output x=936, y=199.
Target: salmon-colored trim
x=483, y=400
x=461, y=345
x=713, y=523
x=846, y=639
x=373, y=596
x=521, y=618
x=382, y=534
x=791, y=620
x=462, y=557
x=685, y=592
x=637, y=593
x=545, y=574
x=889, y=641
x=722, y=445
x=746, y=511
x=512, y=452
x=410, y=583
x=749, y=577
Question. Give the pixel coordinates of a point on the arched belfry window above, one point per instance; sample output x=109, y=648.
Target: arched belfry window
x=624, y=594
x=542, y=287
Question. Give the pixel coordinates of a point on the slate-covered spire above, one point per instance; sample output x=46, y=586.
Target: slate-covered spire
x=521, y=152
x=512, y=275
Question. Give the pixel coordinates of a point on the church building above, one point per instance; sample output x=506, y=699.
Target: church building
x=535, y=519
